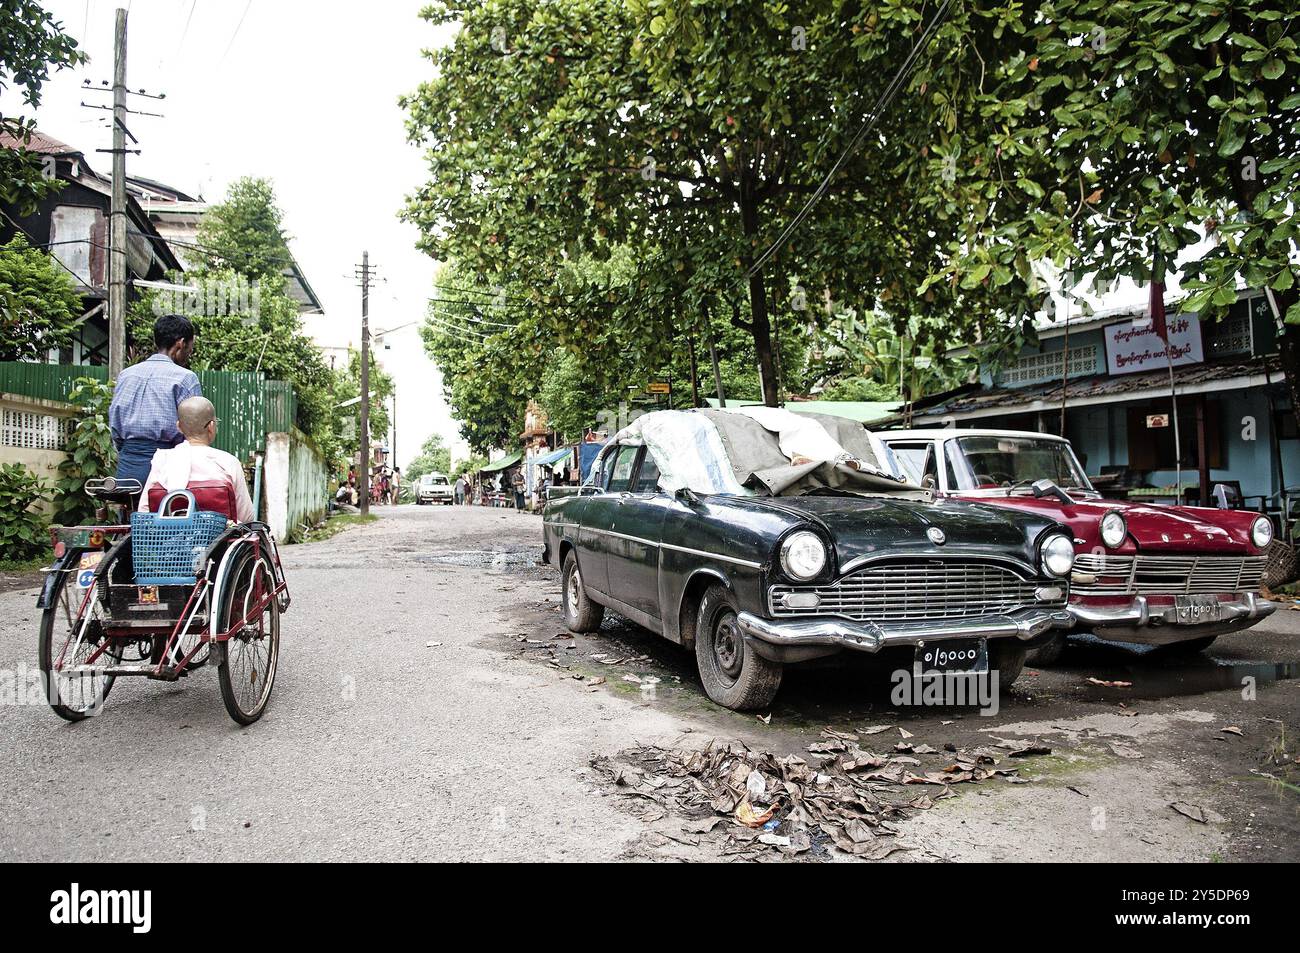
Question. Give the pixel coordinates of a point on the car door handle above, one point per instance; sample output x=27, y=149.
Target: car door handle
x=623, y=498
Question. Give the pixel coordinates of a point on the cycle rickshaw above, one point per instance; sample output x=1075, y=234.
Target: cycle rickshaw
x=159, y=594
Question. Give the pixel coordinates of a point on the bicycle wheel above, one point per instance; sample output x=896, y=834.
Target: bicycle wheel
x=246, y=662
x=64, y=643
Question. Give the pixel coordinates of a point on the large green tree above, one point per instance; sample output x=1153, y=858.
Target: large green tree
x=1120, y=139
x=434, y=456
x=560, y=131
x=32, y=43
x=39, y=305
x=245, y=319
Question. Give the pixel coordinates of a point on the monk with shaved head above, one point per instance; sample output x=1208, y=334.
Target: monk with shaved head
x=195, y=464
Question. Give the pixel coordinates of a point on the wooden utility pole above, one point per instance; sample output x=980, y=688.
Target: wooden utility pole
x=365, y=383
x=117, y=209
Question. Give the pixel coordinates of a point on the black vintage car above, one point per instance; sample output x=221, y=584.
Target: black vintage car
x=761, y=537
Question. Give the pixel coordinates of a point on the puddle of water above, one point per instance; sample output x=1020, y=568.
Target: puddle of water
x=484, y=559
x=1156, y=677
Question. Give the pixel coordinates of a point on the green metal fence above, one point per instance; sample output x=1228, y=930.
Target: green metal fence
x=248, y=406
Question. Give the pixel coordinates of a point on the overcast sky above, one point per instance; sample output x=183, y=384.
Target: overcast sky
x=303, y=93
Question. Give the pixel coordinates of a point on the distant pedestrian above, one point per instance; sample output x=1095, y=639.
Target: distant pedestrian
x=458, y=491
x=517, y=483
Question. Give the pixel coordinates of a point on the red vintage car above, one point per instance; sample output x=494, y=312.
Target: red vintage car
x=1176, y=576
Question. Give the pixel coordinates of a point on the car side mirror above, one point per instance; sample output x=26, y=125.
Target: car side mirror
x=1044, y=488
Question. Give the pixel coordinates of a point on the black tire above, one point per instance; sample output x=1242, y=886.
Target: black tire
x=581, y=614
x=1007, y=658
x=733, y=674
x=54, y=634
x=252, y=656
x=1190, y=647
x=1047, y=654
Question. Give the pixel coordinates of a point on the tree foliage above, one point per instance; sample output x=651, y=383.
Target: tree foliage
x=34, y=42
x=39, y=305
x=1120, y=139
x=563, y=131
x=434, y=456
x=22, y=531
x=244, y=317
x=245, y=232
x=90, y=452
x=619, y=166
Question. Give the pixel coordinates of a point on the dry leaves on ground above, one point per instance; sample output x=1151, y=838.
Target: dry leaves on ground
x=750, y=803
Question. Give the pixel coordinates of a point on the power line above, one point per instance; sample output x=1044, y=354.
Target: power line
x=236, y=33
x=56, y=259
x=882, y=104
x=437, y=325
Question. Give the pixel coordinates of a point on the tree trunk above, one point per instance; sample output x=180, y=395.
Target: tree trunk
x=762, y=328
x=1289, y=349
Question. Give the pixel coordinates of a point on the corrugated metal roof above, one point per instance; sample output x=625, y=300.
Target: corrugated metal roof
x=1099, y=387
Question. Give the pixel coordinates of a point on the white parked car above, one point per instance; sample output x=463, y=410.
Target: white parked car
x=434, y=488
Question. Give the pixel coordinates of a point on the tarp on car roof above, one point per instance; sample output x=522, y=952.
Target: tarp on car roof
x=764, y=450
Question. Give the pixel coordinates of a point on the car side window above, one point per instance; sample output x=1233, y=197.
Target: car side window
x=620, y=474
x=917, y=461
x=647, y=478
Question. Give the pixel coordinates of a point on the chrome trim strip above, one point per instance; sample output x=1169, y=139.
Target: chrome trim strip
x=680, y=549
x=1028, y=573
x=868, y=637
x=1141, y=613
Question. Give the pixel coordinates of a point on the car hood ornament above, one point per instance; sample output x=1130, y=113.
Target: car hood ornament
x=936, y=535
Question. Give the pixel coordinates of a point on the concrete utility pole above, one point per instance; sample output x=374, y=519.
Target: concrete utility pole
x=365, y=383
x=117, y=209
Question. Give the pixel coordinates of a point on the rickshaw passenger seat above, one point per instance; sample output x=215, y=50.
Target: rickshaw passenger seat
x=210, y=496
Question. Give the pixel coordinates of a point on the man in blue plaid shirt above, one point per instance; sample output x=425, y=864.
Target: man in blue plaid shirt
x=142, y=416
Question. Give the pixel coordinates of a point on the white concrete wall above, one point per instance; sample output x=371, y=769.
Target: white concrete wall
x=275, y=483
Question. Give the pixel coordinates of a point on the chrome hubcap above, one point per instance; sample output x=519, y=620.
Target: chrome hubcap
x=575, y=591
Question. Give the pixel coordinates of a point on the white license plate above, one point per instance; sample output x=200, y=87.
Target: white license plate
x=1193, y=610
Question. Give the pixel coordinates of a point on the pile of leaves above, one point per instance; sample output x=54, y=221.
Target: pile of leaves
x=841, y=797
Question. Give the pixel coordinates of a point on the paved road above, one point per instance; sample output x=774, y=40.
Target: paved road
x=379, y=745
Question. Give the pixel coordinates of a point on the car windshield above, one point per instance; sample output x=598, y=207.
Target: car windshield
x=987, y=463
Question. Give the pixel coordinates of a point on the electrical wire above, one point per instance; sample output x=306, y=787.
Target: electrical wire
x=55, y=258
x=882, y=104
x=235, y=34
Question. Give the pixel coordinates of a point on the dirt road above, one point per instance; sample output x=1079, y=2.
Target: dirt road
x=430, y=705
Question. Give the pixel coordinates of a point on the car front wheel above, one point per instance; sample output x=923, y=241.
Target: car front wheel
x=1007, y=658
x=581, y=614
x=1047, y=654
x=734, y=675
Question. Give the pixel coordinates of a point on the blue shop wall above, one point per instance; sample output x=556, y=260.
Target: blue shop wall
x=1099, y=434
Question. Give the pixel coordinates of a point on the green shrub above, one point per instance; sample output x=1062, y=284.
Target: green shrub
x=90, y=452
x=23, y=531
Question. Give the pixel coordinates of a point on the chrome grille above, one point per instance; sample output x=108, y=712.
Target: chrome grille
x=907, y=590
x=1168, y=575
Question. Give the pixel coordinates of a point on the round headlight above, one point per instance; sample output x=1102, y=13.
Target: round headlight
x=1261, y=534
x=1113, y=529
x=803, y=555
x=1058, y=555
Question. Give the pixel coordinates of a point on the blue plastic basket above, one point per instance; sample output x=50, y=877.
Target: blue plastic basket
x=166, y=550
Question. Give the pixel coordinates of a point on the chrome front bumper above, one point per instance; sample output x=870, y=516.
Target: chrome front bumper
x=1140, y=613
x=835, y=632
